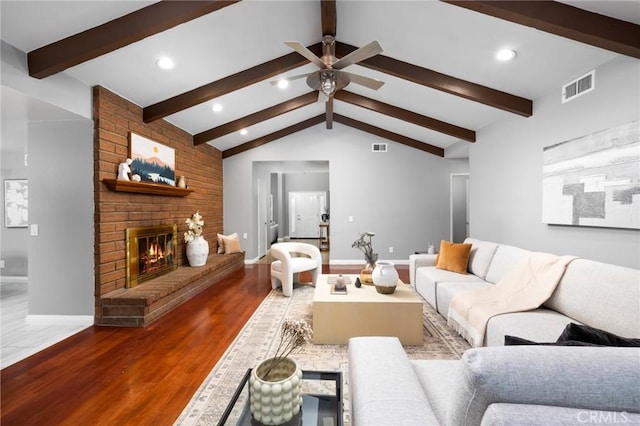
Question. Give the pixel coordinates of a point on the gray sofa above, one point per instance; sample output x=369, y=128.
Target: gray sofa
x=509, y=385
x=597, y=294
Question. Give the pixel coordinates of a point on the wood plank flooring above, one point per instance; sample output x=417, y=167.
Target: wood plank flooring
x=136, y=376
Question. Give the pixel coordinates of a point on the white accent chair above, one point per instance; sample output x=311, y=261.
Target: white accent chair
x=286, y=269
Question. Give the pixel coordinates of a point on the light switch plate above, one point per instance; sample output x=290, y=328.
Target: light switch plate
x=34, y=230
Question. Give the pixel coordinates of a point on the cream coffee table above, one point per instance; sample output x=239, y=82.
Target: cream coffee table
x=365, y=312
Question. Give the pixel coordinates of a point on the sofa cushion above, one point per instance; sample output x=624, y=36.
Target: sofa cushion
x=437, y=377
x=383, y=385
x=453, y=257
x=601, y=295
x=505, y=414
x=480, y=256
x=514, y=340
x=591, y=335
x=429, y=277
x=539, y=325
x=601, y=378
x=445, y=291
x=505, y=258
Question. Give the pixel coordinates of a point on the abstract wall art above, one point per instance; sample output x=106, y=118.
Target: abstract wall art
x=594, y=180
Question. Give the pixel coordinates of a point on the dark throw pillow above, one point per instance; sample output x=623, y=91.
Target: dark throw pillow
x=594, y=336
x=515, y=341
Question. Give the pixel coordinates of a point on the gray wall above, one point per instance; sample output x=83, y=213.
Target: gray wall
x=402, y=195
x=506, y=169
x=13, y=147
x=61, y=264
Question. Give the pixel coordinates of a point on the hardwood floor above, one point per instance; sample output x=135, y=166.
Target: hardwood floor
x=136, y=376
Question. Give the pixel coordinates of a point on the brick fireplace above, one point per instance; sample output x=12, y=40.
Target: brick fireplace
x=115, y=212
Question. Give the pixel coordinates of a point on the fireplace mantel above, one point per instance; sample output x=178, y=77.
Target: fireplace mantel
x=146, y=188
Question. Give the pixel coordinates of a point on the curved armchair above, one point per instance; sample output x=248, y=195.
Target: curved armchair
x=285, y=270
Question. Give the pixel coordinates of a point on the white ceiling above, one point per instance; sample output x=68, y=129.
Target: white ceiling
x=430, y=34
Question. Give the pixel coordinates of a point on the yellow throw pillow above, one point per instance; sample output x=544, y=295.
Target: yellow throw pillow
x=453, y=257
x=231, y=243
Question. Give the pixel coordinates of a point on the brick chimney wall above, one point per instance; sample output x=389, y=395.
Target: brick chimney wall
x=114, y=117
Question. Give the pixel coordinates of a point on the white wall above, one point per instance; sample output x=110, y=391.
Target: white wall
x=402, y=195
x=506, y=169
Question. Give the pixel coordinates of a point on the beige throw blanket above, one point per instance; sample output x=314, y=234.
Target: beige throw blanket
x=524, y=287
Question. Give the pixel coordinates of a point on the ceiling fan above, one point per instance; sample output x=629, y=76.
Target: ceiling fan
x=330, y=77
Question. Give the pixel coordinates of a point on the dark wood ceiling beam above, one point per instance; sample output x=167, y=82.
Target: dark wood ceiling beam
x=329, y=113
x=273, y=136
x=566, y=21
x=435, y=80
x=227, y=85
x=413, y=143
x=251, y=119
x=329, y=17
x=406, y=115
x=73, y=50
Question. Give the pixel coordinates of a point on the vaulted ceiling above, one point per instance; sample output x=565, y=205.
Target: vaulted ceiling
x=442, y=83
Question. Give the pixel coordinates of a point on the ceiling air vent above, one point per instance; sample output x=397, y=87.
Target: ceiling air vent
x=579, y=86
x=378, y=147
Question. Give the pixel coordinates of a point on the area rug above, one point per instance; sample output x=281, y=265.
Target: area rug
x=258, y=339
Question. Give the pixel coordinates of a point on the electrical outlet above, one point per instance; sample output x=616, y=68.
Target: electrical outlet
x=350, y=218
x=390, y=249
x=244, y=236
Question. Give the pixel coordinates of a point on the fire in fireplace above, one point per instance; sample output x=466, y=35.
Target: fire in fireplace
x=151, y=252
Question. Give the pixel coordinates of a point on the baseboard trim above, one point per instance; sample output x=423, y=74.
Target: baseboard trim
x=13, y=279
x=60, y=319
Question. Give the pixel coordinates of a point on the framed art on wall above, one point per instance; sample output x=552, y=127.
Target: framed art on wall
x=16, y=203
x=594, y=180
x=152, y=161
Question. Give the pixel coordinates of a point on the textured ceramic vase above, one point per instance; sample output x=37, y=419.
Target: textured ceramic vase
x=197, y=251
x=385, y=277
x=277, y=398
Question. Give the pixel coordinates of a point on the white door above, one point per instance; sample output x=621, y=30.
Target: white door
x=305, y=210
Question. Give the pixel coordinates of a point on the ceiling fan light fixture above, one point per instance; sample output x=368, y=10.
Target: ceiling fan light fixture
x=165, y=63
x=506, y=55
x=328, y=83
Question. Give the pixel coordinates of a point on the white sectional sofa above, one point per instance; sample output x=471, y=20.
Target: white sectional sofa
x=600, y=295
x=509, y=385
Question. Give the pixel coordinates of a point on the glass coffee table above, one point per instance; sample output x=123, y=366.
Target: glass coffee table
x=321, y=401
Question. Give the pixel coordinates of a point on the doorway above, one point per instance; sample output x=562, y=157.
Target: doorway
x=305, y=213
x=459, y=207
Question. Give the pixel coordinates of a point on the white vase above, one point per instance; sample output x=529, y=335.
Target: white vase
x=385, y=277
x=277, y=398
x=197, y=251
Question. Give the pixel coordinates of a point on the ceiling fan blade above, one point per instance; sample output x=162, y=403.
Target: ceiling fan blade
x=367, y=51
x=301, y=49
x=294, y=77
x=371, y=83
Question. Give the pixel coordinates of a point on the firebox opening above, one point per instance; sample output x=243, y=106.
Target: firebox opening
x=151, y=252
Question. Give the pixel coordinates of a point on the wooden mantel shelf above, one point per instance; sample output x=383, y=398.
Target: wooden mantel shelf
x=146, y=188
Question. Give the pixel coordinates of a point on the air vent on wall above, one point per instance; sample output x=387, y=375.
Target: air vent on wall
x=579, y=86
x=379, y=147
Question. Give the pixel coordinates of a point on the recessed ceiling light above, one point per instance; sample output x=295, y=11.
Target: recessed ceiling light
x=243, y=132
x=165, y=63
x=216, y=107
x=506, y=55
x=283, y=83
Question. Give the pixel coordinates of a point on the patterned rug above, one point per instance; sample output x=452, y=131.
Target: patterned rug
x=257, y=341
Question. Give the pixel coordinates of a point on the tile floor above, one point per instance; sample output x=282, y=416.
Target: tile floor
x=21, y=335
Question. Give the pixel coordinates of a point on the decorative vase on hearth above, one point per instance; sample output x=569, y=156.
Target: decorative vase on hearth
x=275, y=392
x=385, y=277
x=197, y=251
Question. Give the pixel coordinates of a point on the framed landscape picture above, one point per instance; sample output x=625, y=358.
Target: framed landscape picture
x=152, y=161
x=16, y=203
